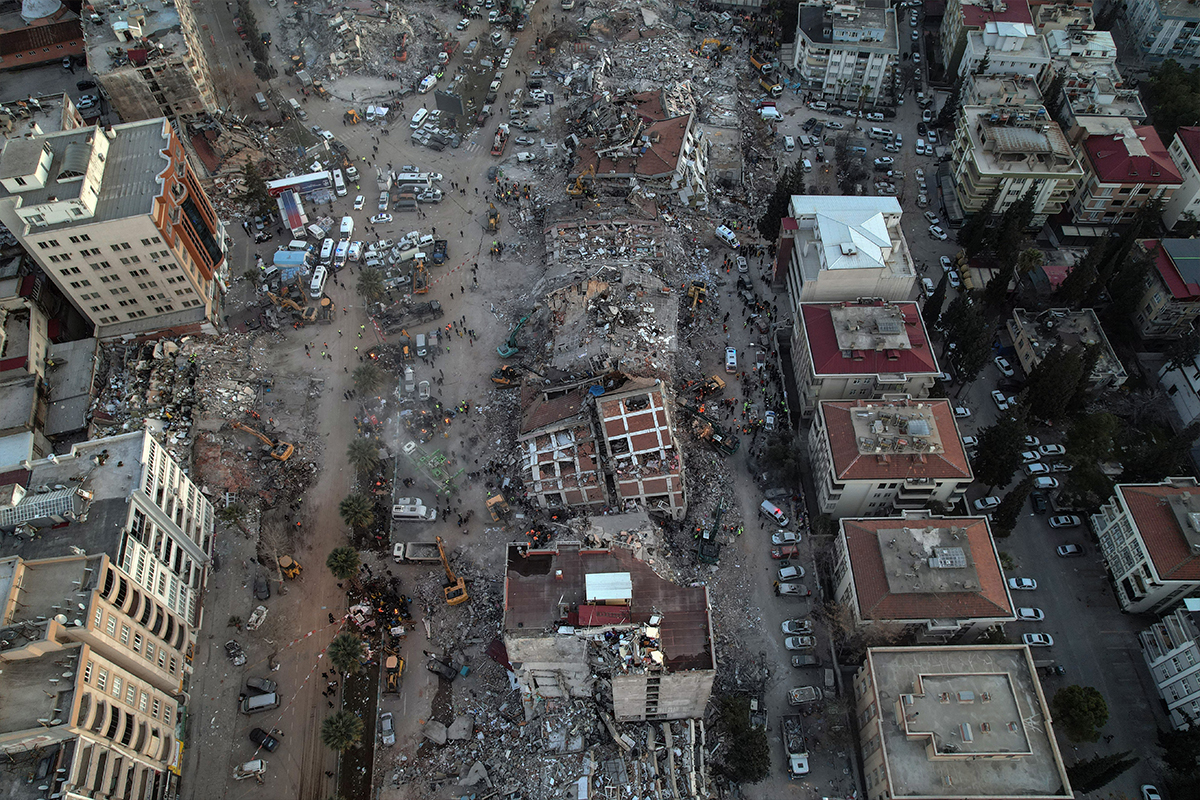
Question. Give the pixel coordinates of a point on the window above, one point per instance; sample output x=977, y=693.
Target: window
x=117, y=686
x=167, y=714
x=145, y=242
x=125, y=634
x=174, y=665
x=102, y=680
x=87, y=673
x=155, y=708
x=142, y=702
x=130, y=694
x=112, y=625
x=99, y=618
x=137, y=643
x=149, y=651
x=162, y=658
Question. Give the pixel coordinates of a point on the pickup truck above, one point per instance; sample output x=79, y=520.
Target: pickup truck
x=795, y=746
x=439, y=251
x=799, y=695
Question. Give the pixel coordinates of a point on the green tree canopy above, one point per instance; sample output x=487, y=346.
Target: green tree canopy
x=1080, y=711
x=1004, y=519
x=747, y=755
x=1173, y=95
x=1092, y=773
x=357, y=511
x=932, y=311
x=342, y=730
x=1053, y=382
x=1090, y=442
x=791, y=181
x=368, y=377
x=968, y=332
x=363, y=453
x=345, y=652
x=1000, y=451
x=370, y=284
x=343, y=562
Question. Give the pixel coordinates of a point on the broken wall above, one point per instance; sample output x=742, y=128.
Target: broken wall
x=658, y=695
x=550, y=666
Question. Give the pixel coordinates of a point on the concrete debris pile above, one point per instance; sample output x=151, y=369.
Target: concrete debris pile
x=634, y=531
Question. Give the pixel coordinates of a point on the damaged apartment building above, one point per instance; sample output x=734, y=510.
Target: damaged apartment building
x=643, y=142
x=579, y=620
x=597, y=430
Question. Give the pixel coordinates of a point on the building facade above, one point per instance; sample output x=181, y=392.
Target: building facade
x=643, y=455
x=1170, y=305
x=846, y=51
x=1171, y=648
x=1149, y=535
x=1162, y=29
x=874, y=458
x=559, y=446
x=1005, y=48
x=32, y=34
x=1185, y=152
x=150, y=62
x=861, y=350
x=119, y=221
x=1124, y=171
x=1012, y=149
x=1035, y=334
x=963, y=16
x=848, y=247
x=935, y=579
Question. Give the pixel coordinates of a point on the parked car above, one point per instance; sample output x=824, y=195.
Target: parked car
x=1069, y=550
x=1029, y=456
x=359, y=201
x=262, y=588
x=1000, y=400
x=1045, y=483
x=1040, y=504
x=1052, y=450
x=1032, y=441
x=800, y=642
x=261, y=685
x=263, y=739
x=790, y=551
x=946, y=263
x=387, y=729
x=1029, y=614
x=962, y=412
x=1038, y=639
x=790, y=574
x=806, y=661
x=769, y=421
x=938, y=233
x=1036, y=468
x=380, y=218
x=785, y=537
x=929, y=215
x=986, y=503
x=797, y=627
x=1065, y=521
x=1002, y=364
x=1149, y=792
x=1022, y=584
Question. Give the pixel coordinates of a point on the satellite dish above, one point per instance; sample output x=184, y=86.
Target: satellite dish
x=61, y=619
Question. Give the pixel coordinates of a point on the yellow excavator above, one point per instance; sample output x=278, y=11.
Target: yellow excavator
x=577, y=189
x=305, y=314
x=456, y=587
x=493, y=218
x=290, y=567
x=697, y=291
x=420, y=279
x=280, y=450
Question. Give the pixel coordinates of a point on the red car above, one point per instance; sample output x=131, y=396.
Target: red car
x=785, y=552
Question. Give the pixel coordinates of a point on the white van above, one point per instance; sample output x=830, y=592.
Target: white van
x=356, y=249
x=789, y=143
x=418, y=118
x=804, y=142
x=880, y=134
x=414, y=513
x=327, y=250
x=773, y=511
x=299, y=244
x=316, y=231
x=296, y=109
x=256, y=703
x=339, y=183
x=727, y=236
x=347, y=227
x=819, y=105
x=341, y=253
x=317, y=288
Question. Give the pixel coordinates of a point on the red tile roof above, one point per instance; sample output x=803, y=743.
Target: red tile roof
x=877, y=601
x=659, y=159
x=1113, y=163
x=1180, y=288
x=1164, y=541
x=1189, y=137
x=827, y=357
x=851, y=465
x=538, y=412
x=978, y=16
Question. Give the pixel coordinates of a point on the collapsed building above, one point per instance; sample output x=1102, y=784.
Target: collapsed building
x=578, y=621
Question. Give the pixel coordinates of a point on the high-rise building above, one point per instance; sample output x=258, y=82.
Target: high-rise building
x=846, y=51
x=119, y=221
x=1163, y=29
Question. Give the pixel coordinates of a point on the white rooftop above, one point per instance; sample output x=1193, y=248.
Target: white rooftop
x=852, y=231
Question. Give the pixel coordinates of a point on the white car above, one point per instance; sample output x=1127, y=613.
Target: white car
x=523, y=156
x=952, y=277
x=1029, y=614
x=932, y=218
x=885, y=161
x=962, y=412
x=378, y=218
x=1052, y=450
x=462, y=24
x=358, y=202
x=946, y=263
x=916, y=37
x=938, y=233
x=1002, y=364
x=1030, y=456
x=1032, y=441
x=785, y=537
x=916, y=58
x=387, y=729
x=1036, y=468
x=834, y=126
x=790, y=573
x=1038, y=639
x=769, y=421
x=970, y=441
x=1022, y=584
x=327, y=136
x=1065, y=521
x=731, y=359
x=383, y=201
x=524, y=140
x=1045, y=483
x=743, y=265
x=1000, y=400
x=986, y=503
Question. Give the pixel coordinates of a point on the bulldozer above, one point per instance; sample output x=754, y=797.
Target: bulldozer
x=280, y=450
x=393, y=667
x=577, y=189
x=351, y=116
x=290, y=567
x=455, y=588
x=493, y=218
x=497, y=507
x=697, y=291
x=319, y=88
x=506, y=376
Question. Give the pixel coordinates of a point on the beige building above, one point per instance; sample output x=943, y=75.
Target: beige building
x=123, y=496
x=1005, y=48
x=150, y=62
x=956, y=723
x=1171, y=304
x=846, y=51
x=962, y=17
x=1013, y=149
x=1036, y=334
x=119, y=221
x=1185, y=152
x=848, y=247
x=561, y=452
x=112, y=662
x=874, y=458
x=861, y=350
x=24, y=393
x=1149, y=535
x=581, y=620
x=935, y=579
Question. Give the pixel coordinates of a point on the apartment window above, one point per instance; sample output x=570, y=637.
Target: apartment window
x=155, y=708
x=162, y=658
x=142, y=702
x=137, y=643
x=130, y=694
x=125, y=634
x=145, y=242
x=99, y=618
x=53, y=259
x=149, y=651
x=155, y=240
x=167, y=715
x=117, y=686
x=125, y=261
x=135, y=259
x=112, y=625
x=102, y=680
x=174, y=665
x=87, y=673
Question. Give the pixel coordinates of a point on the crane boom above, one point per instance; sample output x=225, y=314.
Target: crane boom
x=456, y=587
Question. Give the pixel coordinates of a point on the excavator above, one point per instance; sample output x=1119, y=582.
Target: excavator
x=577, y=188
x=280, y=450
x=493, y=218
x=507, y=375
x=420, y=280
x=456, y=587
x=303, y=313
x=509, y=348
x=697, y=291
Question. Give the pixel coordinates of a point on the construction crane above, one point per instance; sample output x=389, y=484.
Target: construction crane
x=577, y=189
x=280, y=450
x=456, y=587
x=509, y=348
x=493, y=218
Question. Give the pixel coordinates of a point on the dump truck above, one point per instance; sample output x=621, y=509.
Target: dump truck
x=770, y=87
x=799, y=695
x=440, y=248
x=416, y=552
x=763, y=65
x=794, y=744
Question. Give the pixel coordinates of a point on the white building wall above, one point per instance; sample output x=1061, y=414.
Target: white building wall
x=1186, y=199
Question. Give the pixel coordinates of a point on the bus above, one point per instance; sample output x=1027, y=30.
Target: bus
x=301, y=184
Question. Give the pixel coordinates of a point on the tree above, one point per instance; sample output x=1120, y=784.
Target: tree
x=1150, y=460
x=996, y=291
x=256, y=195
x=370, y=284
x=1004, y=518
x=357, y=511
x=1092, y=773
x=1080, y=711
x=747, y=756
x=932, y=311
x=343, y=562
x=345, y=652
x=1079, y=281
x=1090, y=442
x=234, y=514
x=1000, y=451
x=363, y=453
x=973, y=235
x=1029, y=259
x=1054, y=94
x=949, y=113
x=342, y=731
x=368, y=377
x=1181, y=749
x=1173, y=93
x=1182, y=352
x=790, y=182
x=1053, y=382
x=968, y=336
x=1010, y=233
x=984, y=63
